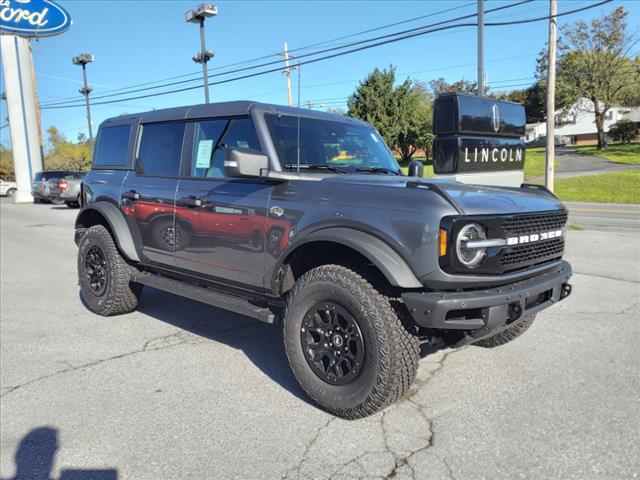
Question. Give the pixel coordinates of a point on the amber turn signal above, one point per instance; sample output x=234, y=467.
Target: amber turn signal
x=443, y=242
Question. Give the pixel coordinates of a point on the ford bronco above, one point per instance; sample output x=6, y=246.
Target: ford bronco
x=305, y=219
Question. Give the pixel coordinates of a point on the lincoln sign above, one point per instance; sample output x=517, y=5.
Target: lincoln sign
x=476, y=134
x=33, y=18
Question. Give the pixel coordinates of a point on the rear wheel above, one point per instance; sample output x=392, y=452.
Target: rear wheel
x=347, y=346
x=507, y=335
x=104, y=275
x=11, y=193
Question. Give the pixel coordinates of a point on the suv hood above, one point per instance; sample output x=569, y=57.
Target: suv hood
x=471, y=199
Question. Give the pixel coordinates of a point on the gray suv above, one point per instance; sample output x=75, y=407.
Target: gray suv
x=304, y=219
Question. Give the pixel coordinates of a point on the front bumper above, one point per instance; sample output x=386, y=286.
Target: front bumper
x=483, y=313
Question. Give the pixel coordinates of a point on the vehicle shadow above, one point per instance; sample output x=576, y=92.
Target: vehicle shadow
x=35, y=458
x=260, y=342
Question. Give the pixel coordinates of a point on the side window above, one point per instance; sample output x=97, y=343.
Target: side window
x=111, y=149
x=206, y=136
x=212, y=137
x=160, y=149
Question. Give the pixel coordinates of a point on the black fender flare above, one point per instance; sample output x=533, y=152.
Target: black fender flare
x=377, y=251
x=117, y=224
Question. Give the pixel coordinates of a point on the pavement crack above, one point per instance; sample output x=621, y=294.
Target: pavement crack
x=308, y=448
x=174, y=339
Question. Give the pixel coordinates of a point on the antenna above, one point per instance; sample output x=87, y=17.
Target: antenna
x=298, y=164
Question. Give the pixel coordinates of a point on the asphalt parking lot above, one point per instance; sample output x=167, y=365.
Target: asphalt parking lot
x=179, y=390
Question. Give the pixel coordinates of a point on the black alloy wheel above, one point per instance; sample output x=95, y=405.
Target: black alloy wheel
x=332, y=343
x=96, y=270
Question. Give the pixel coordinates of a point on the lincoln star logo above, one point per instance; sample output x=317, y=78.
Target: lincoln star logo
x=495, y=117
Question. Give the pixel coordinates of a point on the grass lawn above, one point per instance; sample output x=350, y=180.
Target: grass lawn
x=619, y=187
x=616, y=152
x=534, y=163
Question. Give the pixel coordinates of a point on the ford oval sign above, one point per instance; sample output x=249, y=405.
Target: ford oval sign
x=33, y=18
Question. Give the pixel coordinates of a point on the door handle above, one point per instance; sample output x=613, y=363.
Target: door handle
x=190, y=202
x=131, y=195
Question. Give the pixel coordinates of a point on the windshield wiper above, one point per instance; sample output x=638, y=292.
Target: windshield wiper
x=377, y=170
x=313, y=166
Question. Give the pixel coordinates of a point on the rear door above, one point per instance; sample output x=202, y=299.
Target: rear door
x=148, y=192
x=223, y=220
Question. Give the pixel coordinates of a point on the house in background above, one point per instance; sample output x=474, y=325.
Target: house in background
x=577, y=125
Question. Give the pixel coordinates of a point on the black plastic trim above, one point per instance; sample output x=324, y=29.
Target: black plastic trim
x=117, y=224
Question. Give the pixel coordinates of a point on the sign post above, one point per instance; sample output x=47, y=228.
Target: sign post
x=20, y=20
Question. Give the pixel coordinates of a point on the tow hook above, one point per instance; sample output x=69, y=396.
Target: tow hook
x=565, y=291
x=515, y=312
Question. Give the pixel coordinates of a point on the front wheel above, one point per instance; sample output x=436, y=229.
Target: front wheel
x=11, y=193
x=104, y=276
x=348, y=347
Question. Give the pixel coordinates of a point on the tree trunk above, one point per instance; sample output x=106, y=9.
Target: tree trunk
x=602, y=139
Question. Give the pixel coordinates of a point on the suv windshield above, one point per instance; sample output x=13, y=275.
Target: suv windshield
x=329, y=146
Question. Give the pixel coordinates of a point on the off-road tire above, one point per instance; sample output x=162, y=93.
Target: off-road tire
x=181, y=235
x=392, y=352
x=507, y=335
x=120, y=294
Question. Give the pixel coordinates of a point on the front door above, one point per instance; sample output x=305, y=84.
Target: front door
x=148, y=193
x=222, y=220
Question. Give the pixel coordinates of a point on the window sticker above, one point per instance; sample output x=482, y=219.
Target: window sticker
x=243, y=144
x=205, y=147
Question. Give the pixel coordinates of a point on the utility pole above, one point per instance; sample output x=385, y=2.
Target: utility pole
x=481, y=48
x=551, y=96
x=287, y=71
x=198, y=15
x=82, y=60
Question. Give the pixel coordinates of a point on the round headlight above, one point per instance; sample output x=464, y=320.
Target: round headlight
x=470, y=257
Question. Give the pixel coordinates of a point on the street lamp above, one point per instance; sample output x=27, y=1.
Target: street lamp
x=198, y=15
x=82, y=60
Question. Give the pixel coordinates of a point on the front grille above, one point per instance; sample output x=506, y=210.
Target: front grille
x=532, y=253
x=540, y=222
x=529, y=254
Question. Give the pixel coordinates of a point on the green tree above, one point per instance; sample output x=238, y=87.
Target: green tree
x=624, y=131
x=416, y=132
x=375, y=101
x=533, y=98
x=62, y=154
x=440, y=85
x=593, y=62
x=6, y=164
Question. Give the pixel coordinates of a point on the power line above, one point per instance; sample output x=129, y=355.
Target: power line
x=360, y=42
x=306, y=47
x=361, y=48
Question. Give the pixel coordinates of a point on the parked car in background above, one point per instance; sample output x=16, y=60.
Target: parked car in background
x=67, y=189
x=8, y=189
x=40, y=185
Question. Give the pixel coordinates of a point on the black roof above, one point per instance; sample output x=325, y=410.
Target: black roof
x=227, y=109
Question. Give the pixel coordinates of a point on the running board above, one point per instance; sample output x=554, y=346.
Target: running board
x=215, y=298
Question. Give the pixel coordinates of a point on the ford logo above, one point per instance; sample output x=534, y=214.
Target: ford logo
x=33, y=18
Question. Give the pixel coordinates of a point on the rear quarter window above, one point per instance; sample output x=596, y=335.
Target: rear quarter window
x=112, y=146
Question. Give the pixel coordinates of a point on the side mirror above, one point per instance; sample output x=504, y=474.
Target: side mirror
x=245, y=162
x=416, y=168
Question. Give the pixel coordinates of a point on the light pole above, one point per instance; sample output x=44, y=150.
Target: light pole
x=82, y=60
x=198, y=15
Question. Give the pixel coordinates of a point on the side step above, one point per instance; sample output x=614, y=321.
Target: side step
x=218, y=299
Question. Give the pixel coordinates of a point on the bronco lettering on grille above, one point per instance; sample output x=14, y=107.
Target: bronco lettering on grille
x=534, y=237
